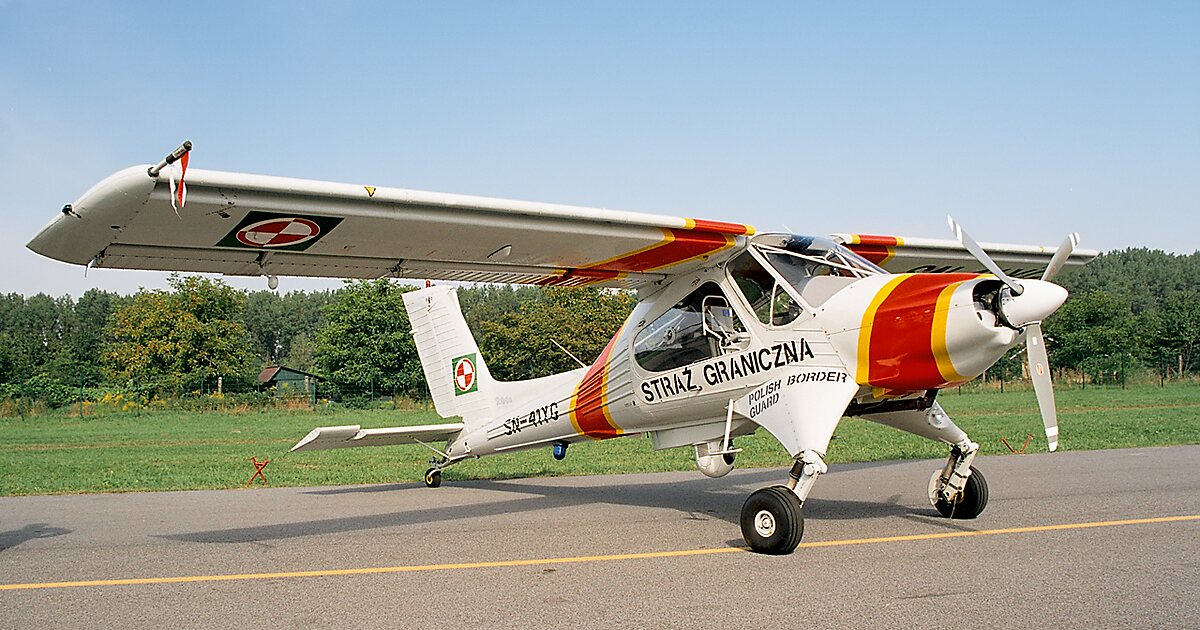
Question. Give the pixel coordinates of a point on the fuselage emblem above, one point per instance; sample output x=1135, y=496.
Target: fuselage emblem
x=464, y=375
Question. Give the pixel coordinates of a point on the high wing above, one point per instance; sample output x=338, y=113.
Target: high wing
x=898, y=254
x=247, y=225
x=352, y=435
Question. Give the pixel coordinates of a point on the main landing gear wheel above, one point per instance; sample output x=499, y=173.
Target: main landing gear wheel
x=433, y=477
x=773, y=520
x=968, y=504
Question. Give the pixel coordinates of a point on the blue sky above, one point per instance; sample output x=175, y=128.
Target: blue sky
x=1024, y=120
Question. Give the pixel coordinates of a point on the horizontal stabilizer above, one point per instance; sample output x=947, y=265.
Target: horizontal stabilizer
x=347, y=436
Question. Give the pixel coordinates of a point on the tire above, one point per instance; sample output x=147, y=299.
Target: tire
x=433, y=478
x=773, y=521
x=970, y=502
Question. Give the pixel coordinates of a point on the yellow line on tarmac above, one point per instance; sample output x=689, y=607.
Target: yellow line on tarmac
x=582, y=559
x=994, y=532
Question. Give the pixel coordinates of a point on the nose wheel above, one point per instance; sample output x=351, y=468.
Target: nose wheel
x=773, y=520
x=967, y=504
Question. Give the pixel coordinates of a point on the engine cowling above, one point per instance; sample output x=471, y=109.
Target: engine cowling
x=711, y=461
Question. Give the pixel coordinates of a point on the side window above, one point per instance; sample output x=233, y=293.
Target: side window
x=771, y=303
x=701, y=326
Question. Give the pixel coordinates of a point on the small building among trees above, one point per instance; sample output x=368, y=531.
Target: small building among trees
x=287, y=379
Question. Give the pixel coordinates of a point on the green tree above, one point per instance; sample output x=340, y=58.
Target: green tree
x=491, y=302
x=1092, y=332
x=34, y=333
x=301, y=356
x=275, y=321
x=367, y=343
x=175, y=340
x=520, y=344
x=1178, y=330
x=92, y=312
x=1140, y=277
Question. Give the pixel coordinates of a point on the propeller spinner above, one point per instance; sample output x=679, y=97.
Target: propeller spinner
x=1022, y=305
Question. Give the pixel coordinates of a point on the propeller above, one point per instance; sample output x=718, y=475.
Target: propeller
x=1025, y=305
x=982, y=256
x=1060, y=257
x=1039, y=371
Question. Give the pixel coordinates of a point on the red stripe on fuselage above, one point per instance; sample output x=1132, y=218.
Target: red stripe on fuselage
x=589, y=405
x=901, y=352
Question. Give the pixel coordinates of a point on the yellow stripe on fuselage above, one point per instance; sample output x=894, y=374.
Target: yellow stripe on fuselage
x=937, y=341
x=868, y=322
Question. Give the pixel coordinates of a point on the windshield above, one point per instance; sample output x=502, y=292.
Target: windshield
x=816, y=267
x=818, y=252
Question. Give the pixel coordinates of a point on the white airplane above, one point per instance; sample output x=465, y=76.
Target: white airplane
x=733, y=330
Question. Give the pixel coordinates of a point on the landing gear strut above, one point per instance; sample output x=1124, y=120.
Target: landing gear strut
x=433, y=476
x=968, y=503
x=957, y=489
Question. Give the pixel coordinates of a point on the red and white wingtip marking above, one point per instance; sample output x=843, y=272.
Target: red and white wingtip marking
x=179, y=191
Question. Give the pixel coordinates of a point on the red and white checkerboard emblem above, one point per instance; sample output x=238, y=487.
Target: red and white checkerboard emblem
x=279, y=232
x=464, y=374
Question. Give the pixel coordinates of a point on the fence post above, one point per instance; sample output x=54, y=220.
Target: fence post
x=1162, y=370
x=1122, y=369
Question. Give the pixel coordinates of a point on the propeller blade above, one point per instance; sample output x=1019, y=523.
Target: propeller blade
x=1039, y=371
x=982, y=256
x=1061, y=256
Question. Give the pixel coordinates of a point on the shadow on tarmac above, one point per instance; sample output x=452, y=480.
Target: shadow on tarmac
x=708, y=498
x=12, y=538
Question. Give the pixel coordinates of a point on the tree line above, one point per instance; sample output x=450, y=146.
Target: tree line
x=1129, y=309
x=201, y=332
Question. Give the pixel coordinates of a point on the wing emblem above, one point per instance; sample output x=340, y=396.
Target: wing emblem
x=278, y=232
x=268, y=230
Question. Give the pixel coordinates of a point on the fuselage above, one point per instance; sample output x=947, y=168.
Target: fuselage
x=780, y=311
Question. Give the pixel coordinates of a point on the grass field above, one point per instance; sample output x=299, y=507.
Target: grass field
x=59, y=453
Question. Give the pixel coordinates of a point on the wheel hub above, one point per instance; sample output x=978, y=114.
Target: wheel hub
x=764, y=523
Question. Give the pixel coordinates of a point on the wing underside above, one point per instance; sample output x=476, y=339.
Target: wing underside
x=248, y=225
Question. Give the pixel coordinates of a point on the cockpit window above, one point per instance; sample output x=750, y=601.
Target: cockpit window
x=817, y=268
x=701, y=326
x=770, y=301
x=824, y=257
